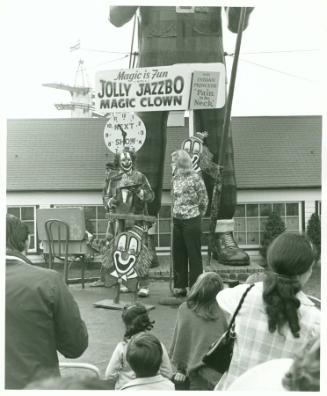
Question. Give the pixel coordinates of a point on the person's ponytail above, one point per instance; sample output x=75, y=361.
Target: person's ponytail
x=281, y=303
x=288, y=256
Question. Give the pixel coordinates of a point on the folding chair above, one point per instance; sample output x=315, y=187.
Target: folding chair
x=57, y=232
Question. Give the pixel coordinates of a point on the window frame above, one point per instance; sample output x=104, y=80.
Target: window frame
x=259, y=217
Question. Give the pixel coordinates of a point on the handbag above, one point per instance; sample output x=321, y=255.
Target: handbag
x=220, y=353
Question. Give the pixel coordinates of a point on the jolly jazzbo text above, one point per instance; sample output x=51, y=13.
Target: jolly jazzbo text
x=150, y=94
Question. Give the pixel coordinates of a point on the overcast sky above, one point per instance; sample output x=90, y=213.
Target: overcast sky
x=282, y=77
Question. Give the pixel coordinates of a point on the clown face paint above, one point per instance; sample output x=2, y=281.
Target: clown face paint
x=125, y=161
x=194, y=147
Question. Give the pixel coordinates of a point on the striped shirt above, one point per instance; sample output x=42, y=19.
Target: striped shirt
x=254, y=343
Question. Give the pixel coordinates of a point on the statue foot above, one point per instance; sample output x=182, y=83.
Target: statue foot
x=225, y=249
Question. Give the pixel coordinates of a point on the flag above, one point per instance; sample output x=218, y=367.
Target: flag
x=76, y=46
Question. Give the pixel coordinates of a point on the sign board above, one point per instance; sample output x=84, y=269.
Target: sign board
x=163, y=88
x=204, y=90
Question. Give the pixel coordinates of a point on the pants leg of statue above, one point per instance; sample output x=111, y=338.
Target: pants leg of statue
x=150, y=158
x=224, y=249
x=150, y=161
x=212, y=121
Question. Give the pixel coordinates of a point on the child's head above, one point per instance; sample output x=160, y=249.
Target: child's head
x=16, y=234
x=202, y=296
x=144, y=355
x=136, y=319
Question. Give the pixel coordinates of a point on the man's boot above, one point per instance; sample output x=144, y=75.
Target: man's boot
x=225, y=249
x=152, y=248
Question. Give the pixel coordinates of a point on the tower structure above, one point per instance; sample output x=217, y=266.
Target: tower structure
x=81, y=104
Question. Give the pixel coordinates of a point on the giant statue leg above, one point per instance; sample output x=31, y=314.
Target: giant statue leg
x=225, y=250
x=150, y=161
x=150, y=158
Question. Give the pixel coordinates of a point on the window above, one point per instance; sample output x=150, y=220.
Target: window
x=250, y=220
x=27, y=215
x=95, y=218
x=318, y=208
x=163, y=228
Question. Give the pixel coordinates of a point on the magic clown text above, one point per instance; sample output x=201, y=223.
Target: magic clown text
x=152, y=94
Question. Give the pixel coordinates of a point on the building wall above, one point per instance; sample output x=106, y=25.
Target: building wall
x=309, y=196
x=92, y=200
x=45, y=199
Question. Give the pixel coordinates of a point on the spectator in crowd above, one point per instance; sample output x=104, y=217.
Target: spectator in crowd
x=136, y=320
x=42, y=316
x=285, y=374
x=304, y=373
x=189, y=203
x=200, y=321
x=276, y=318
x=144, y=355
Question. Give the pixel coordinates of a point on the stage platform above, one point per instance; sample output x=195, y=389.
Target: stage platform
x=228, y=273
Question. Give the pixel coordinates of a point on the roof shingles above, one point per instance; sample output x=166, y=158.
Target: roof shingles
x=70, y=154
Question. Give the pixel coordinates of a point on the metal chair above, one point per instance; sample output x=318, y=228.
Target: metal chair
x=57, y=232
x=85, y=366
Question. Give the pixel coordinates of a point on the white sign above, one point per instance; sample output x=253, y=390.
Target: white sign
x=205, y=87
x=163, y=88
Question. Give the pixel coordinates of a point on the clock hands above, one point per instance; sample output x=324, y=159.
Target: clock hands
x=124, y=134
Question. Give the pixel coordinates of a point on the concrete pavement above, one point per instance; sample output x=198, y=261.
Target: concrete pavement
x=105, y=326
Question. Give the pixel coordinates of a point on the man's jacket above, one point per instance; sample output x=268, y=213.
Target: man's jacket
x=42, y=318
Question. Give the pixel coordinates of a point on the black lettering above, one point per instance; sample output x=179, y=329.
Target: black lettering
x=161, y=85
x=147, y=89
x=105, y=104
x=140, y=91
x=154, y=88
x=178, y=81
x=169, y=85
x=157, y=101
x=101, y=95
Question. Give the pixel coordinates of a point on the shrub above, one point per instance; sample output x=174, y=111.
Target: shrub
x=274, y=226
x=314, y=232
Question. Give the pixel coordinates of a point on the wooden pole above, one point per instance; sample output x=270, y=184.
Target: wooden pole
x=131, y=56
x=217, y=190
x=222, y=148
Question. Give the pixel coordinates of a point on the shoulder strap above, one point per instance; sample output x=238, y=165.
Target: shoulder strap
x=231, y=323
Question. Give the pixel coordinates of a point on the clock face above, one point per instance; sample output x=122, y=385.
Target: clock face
x=124, y=129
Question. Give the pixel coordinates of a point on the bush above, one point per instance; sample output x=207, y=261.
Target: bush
x=314, y=232
x=274, y=227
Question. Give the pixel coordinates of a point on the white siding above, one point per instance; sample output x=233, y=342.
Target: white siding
x=45, y=199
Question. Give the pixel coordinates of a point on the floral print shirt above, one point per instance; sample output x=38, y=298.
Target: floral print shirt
x=189, y=195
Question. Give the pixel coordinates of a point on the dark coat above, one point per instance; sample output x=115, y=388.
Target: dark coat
x=42, y=318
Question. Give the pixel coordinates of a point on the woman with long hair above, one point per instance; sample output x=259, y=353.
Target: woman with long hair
x=199, y=322
x=276, y=318
x=189, y=204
